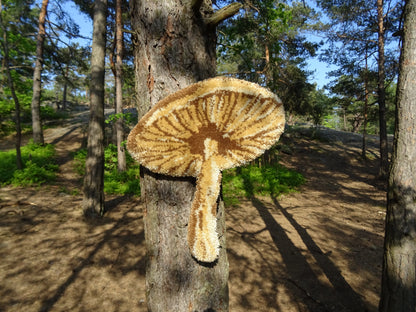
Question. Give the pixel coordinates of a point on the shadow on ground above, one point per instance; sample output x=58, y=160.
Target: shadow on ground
x=56, y=261
x=313, y=251
x=317, y=250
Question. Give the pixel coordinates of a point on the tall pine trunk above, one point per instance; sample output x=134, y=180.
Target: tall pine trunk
x=65, y=92
x=37, y=79
x=121, y=152
x=173, y=49
x=384, y=152
x=93, y=201
x=365, y=110
x=399, y=266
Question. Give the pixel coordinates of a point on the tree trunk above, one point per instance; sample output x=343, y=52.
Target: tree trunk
x=173, y=48
x=399, y=266
x=37, y=82
x=5, y=46
x=64, y=95
x=344, y=114
x=93, y=202
x=365, y=112
x=384, y=152
x=121, y=151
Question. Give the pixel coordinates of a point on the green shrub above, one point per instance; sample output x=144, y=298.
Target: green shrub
x=237, y=182
x=126, y=182
x=252, y=180
x=32, y=174
x=115, y=182
x=110, y=154
x=79, y=161
x=7, y=166
x=48, y=113
x=38, y=165
x=129, y=118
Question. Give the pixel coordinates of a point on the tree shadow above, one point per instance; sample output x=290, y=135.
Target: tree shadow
x=52, y=260
x=111, y=236
x=345, y=294
x=66, y=134
x=339, y=297
x=310, y=270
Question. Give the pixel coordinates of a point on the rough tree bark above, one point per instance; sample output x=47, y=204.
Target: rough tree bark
x=121, y=151
x=93, y=201
x=384, y=152
x=37, y=80
x=365, y=110
x=399, y=266
x=174, y=47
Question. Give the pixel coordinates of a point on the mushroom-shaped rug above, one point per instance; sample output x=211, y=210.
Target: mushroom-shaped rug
x=212, y=125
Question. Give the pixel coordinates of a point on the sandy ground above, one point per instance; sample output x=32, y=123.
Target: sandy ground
x=316, y=250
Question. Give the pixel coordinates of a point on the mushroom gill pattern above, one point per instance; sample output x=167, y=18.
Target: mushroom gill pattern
x=242, y=117
x=201, y=130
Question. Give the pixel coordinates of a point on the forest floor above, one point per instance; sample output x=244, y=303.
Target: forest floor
x=319, y=249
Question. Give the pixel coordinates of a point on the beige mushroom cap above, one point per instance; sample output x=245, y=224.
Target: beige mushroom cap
x=238, y=118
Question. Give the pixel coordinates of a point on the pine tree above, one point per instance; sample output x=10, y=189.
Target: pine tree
x=37, y=83
x=399, y=266
x=93, y=202
x=175, y=47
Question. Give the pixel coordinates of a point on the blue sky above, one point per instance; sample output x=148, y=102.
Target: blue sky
x=320, y=68
x=83, y=21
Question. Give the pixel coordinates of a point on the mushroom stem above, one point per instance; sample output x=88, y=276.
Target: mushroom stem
x=202, y=229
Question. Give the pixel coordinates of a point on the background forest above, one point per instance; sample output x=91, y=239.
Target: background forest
x=335, y=66
x=275, y=44
x=268, y=42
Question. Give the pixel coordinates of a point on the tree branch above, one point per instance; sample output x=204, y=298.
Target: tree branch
x=59, y=27
x=222, y=14
x=128, y=31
